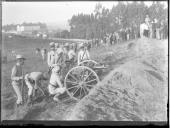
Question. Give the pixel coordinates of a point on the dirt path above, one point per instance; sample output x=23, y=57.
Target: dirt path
x=49, y=110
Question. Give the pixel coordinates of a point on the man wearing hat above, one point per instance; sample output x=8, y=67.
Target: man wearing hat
x=71, y=54
x=51, y=55
x=33, y=80
x=83, y=54
x=44, y=54
x=66, y=49
x=59, y=56
x=56, y=46
x=17, y=77
x=65, y=58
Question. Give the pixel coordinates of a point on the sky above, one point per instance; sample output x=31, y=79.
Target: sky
x=57, y=13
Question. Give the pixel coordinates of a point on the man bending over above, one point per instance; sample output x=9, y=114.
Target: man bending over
x=33, y=80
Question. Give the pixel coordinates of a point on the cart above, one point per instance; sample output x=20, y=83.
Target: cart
x=80, y=79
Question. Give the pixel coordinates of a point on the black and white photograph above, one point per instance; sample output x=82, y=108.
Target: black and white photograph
x=84, y=61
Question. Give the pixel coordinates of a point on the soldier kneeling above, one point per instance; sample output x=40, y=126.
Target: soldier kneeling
x=55, y=86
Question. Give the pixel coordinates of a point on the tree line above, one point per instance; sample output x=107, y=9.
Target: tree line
x=121, y=16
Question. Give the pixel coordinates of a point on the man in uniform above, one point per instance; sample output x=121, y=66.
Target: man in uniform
x=144, y=29
x=44, y=54
x=56, y=46
x=51, y=55
x=83, y=54
x=71, y=54
x=65, y=60
x=33, y=80
x=17, y=77
x=55, y=86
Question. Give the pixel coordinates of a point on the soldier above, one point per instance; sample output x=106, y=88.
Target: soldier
x=83, y=54
x=44, y=54
x=56, y=46
x=55, y=86
x=33, y=80
x=37, y=50
x=71, y=54
x=17, y=77
x=65, y=52
x=65, y=60
x=51, y=55
x=144, y=29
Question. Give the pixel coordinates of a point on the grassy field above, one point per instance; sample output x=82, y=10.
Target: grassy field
x=26, y=47
x=113, y=56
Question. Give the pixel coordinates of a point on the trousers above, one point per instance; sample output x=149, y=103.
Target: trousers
x=17, y=90
x=55, y=90
x=30, y=87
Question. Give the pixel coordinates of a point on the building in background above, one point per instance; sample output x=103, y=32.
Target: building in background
x=27, y=29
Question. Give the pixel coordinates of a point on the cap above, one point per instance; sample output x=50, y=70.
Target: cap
x=52, y=44
x=66, y=45
x=20, y=57
x=85, y=44
x=81, y=45
x=60, y=51
x=72, y=46
x=56, y=44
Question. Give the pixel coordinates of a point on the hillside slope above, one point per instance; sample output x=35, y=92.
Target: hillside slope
x=135, y=91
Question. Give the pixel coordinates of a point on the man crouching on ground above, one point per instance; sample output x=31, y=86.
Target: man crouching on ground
x=55, y=86
x=33, y=81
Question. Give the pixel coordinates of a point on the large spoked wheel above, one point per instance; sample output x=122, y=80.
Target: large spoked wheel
x=88, y=63
x=79, y=81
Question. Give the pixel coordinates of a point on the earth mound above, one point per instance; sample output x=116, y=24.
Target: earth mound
x=134, y=91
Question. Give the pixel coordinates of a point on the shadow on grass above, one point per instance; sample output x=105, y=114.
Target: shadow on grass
x=34, y=112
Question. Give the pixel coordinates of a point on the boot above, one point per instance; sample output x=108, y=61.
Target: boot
x=55, y=98
x=18, y=105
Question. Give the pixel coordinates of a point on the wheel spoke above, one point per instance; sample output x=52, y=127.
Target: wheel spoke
x=88, y=76
x=89, y=85
x=72, y=87
x=85, y=91
x=74, y=83
x=76, y=91
x=73, y=77
x=80, y=92
x=91, y=81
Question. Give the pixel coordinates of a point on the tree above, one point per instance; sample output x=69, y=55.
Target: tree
x=123, y=15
